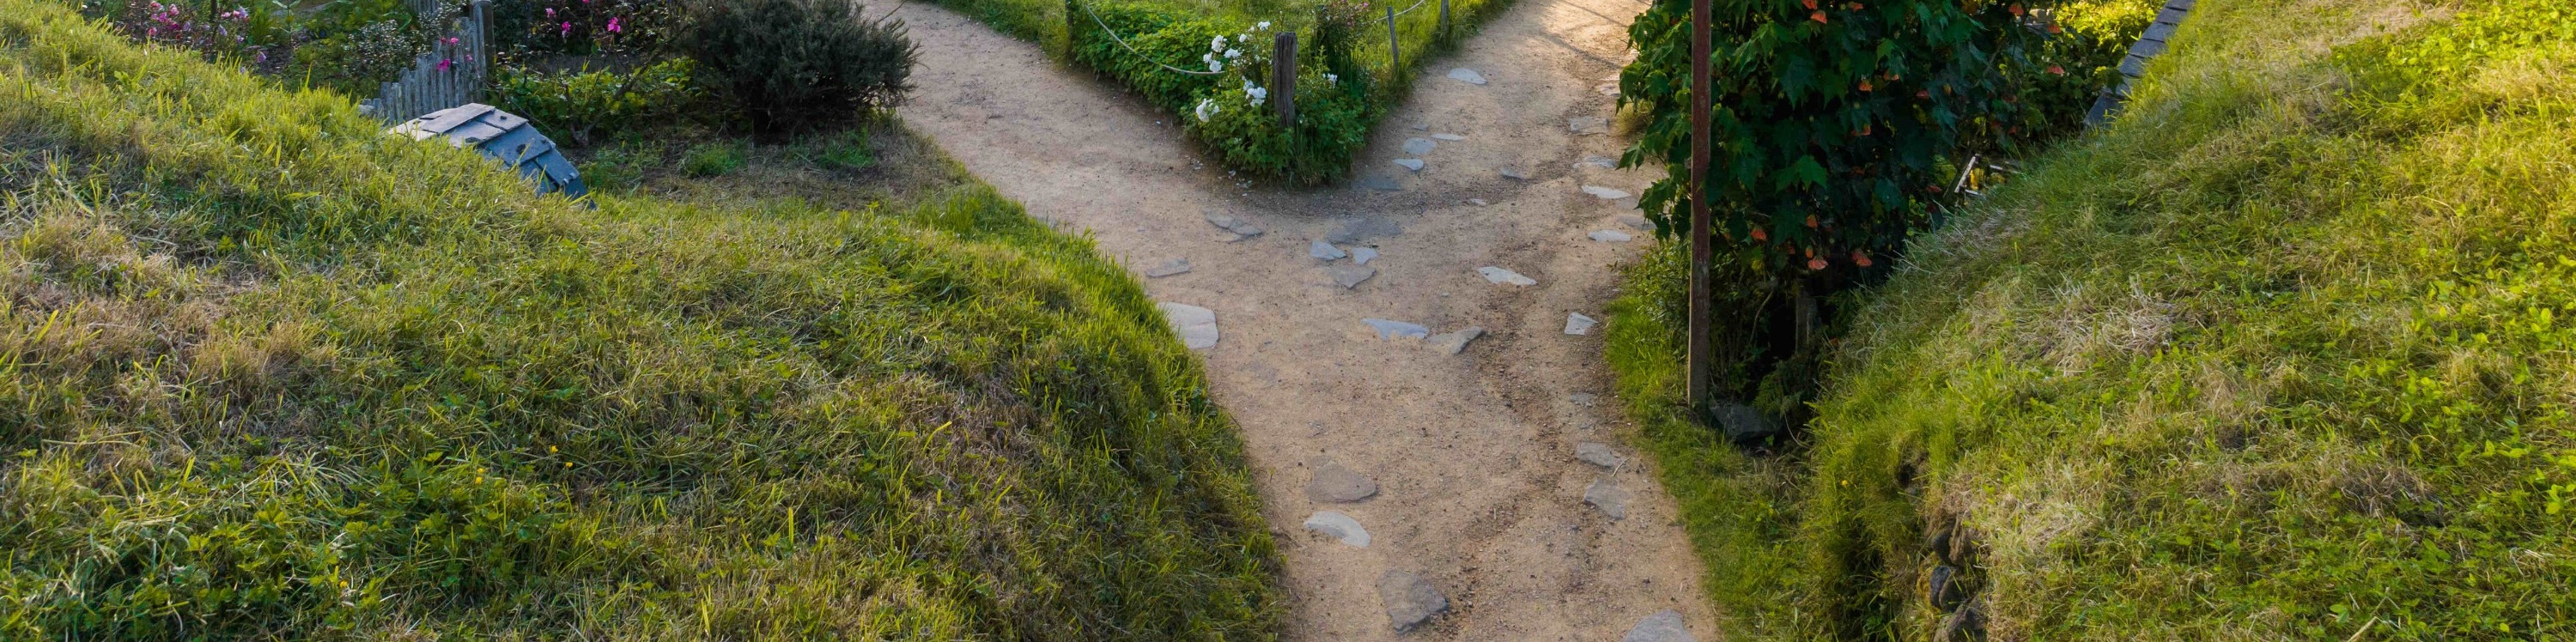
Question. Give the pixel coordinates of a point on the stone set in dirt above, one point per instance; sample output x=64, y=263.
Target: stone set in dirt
x=1427, y=441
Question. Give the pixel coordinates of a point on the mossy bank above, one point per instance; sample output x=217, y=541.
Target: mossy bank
x=2276, y=355
x=268, y=373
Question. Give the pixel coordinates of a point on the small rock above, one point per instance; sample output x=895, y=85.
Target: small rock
x=1414, y=164
x=1324, y=251
x=1455, y=342
x=1636, y=222
x=1607, y=496
x=1607, y=89
x=1449, y=137
x=1380, y=183
x=1196, y=325
x=1339, y=484
x=1476, y=202
x=1419, y=146
x=1586, y=125
x=1362, y=255
x=1583, y=399
x=1350, y=276
x=1355, y=229
x=1168, y=268
x=1465, y=75
x=1410, y=600
x=1598, y=162
x=1229, y=223
x=1576, y=323
x=1339, y=526
x=1421, y=127
x=1605, y=193
x=1664, y=626
x=1514, y=174
x=1500, y=276
x=1388, y=329
x=1597, y=454
x=1611, y=236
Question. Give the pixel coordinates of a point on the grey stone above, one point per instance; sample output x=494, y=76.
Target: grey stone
x=1605, y=193
x=1583, y=399
x=1414, y=164
x=1514, y=173
x=1421, y=126
x=1380, y=183
x=1449, y=137
x=1576, y=323
x=1419, y=146
x=1664, y=626
x=1611, y=236
x=1410, y=600
x=1598, y=162
x=1455, y=342
x=1465, y=75
x=1168, y=268
x=1477, y=202
x=1607, y=496
x=1339, y=526
x=1362, y=255
x=1607, y=89
x=1324, y=251
x=1350, y=276
x=1741, y=421
x=1389, y=329
x=1587, y=125
x=1598, y=454
x=1636, y=222
x=1355, y=229
x=1196, y=325
x=1229, y=223
x=1499, y=276
x=1338, y=484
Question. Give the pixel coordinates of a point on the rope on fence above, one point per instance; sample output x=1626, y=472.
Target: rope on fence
x=1417, y=4
x=1122, y=43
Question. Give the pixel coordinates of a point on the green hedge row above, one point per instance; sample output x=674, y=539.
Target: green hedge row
x=1228, y=110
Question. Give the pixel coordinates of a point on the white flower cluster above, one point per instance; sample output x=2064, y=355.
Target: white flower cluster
x=1207, y=108
x=1255, y=92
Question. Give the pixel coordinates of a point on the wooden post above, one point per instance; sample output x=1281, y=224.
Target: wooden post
x=1700, y=357
x=1394, y=52
x=1283, y=79
x=1444, y=20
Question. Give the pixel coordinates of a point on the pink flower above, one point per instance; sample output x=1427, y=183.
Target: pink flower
x=445, y=65
x=550, y=13
x=567, y=28
x=612, y=25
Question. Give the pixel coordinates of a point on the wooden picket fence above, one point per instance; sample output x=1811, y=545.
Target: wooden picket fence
x=452, y=73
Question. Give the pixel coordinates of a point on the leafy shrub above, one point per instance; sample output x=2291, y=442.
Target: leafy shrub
x=585, y=106
x=1161, y=36
x=713, y=159
x=798, y=64
x=536, y=32
x=1228, y=111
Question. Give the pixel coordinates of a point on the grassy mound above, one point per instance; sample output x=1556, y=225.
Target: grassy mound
x=2275, y=357
x=267, y=373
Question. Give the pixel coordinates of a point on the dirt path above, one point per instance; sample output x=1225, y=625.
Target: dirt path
x=1480, y=491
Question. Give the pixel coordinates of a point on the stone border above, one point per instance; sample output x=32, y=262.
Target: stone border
x=2149, y=44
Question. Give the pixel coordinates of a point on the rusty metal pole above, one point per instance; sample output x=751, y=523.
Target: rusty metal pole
x=1283, y=79
x=1701, y=353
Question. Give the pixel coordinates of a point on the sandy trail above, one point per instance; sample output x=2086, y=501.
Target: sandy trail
x=1474, y=453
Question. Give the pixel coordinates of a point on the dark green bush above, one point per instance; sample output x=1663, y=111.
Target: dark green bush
x=585, y=106
x=1160, y=35
x=1334, y=112
x=797, y=64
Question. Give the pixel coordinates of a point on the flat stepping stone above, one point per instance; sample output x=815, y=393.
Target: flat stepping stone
x=1419, y=146
x=1599, y=162
x=1610, y=89
x=1598, y=454
x=1389, y=329
x=1607, y=496
x=1576, y=323
x=1336, y=483
x=1237, y=226
x=1465, y=75
x=1588, y=125
x=1410, y=600
x=1350, y=276
x=1477, y=202
x=1454, y=342
x=1514, y=173
x=1664, y=626
x=1610, y=236
x=1168, y=268
x=1605, y=193
x=1339, y=526
x=1362, y=255
x=1414, y=164
x=1324, y=251
x=1636, y=222
x=1196, y=325
x=1380, y=183
x=1449, y=137
x=1501, y=276
x=1355, y=229
x=1583, y=399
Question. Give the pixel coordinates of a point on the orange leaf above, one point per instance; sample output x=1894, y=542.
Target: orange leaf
x=1816, y=264
x=1860, y=259
x=1819, y=17
x=1759, y=235
x=1864, y=85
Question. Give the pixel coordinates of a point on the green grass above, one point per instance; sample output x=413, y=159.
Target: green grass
x=2277, y=356
x=269, y=374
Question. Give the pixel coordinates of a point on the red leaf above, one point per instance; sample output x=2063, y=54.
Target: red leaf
x=1816, y=264
x=1860, y=259
x=1811, y=4
x=1819, y=17
x=1864, y=84
x=2057, y=70
x=2016, y=10
x=1760, y=235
